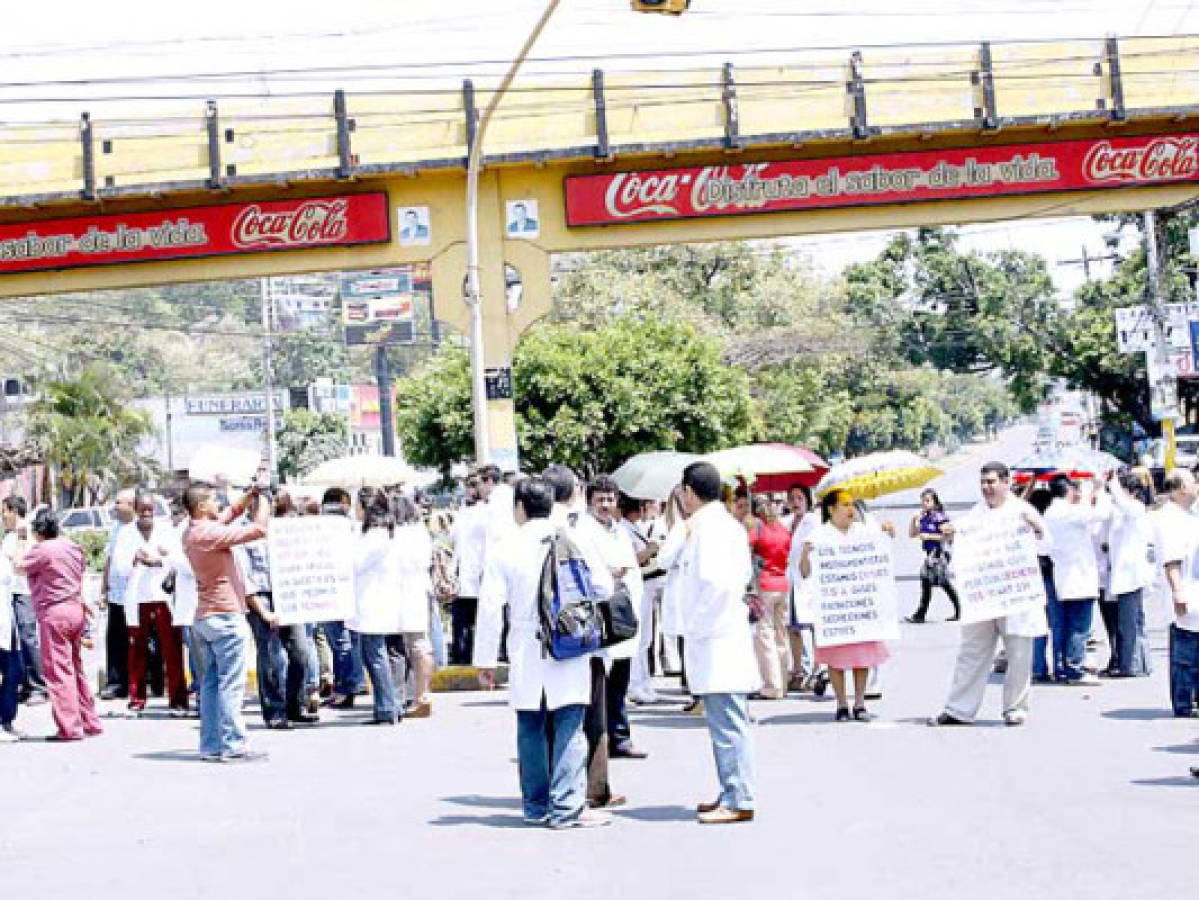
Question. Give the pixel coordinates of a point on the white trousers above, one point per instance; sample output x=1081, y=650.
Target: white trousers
x=976, y=658
x=640, y=680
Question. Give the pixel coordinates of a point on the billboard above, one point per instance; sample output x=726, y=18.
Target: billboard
x=379, y=306
x=872, y=179
x=195, y=231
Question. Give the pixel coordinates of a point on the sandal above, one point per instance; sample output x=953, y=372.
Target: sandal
x=842, y=714
x=861, y=714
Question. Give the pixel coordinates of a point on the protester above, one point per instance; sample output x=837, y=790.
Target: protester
x=16, y=540
x=469, y=538
x=675, y=521
x=1129, y=540
x=614, y=546
x=639, y=520
x=1178, y=543
x=976, y=652
x=254, y=567
x=837, y=511
x=1070, y=520
x=377, y=603
x=412, y=552
x=721, y=668
x=222, y=636
x=139, y=559
x=54, y=566
x=348, y=674
x=550, y=696
x=1043, y=653
x=10, y=657
x=112, y=599
x=770, y=543
x=927, y=525
x=805, y=674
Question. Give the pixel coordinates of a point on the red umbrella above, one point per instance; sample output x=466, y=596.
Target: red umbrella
x=776, y=466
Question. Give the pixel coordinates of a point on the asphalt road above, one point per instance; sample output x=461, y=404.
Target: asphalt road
x=1090, y=800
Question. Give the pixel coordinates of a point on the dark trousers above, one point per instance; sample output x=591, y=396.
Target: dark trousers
x=10, y=682
x=463, y=612
x=1184, y=671
x=271, y=666
x=1124, y=619
x=33, y=679
x=116, y=642
x=926, y=598
x=1041, y=667
x=619, y=734
x=595, y=727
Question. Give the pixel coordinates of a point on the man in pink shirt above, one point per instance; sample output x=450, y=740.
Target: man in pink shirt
x=222, y=635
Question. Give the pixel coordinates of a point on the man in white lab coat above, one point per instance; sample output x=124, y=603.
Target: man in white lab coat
x=550, y=696
x=714, y=572
x=613, y=543
x=469, y=537
x=976, y=653
x=1071, y=522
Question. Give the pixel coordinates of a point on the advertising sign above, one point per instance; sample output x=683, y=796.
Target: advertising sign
x=853, y=587
x=665, y=194
x=195, y=231
x=378, y=307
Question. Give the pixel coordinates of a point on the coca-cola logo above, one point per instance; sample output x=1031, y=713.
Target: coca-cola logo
x=312, y=222
x=632, y=194
x=1162, y=159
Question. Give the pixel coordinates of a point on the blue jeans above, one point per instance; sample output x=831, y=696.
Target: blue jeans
x=1184, y=670
x=1040, y=646
x=1124, y=618
x=378, y=667
x=271, y=665
x=732, y=745
x=223, y=643
x=1071, y=636
x=437, y=635
x=551, y=750
x=11, y=671
x=348, y=675
x=313, y=670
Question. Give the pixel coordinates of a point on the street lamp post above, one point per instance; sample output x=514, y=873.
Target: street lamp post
x=473, y=291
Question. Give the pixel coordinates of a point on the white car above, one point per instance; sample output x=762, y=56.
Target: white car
x=83, y=518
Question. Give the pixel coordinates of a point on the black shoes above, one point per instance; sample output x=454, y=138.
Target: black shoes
x=842, y=714
x=861, y=714
x=946, y=719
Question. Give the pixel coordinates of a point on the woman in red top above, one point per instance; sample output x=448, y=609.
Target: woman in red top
x=770, y=543
x=55, y=569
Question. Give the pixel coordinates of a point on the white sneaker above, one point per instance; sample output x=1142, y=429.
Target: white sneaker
x=641, y=698
x=9, y=736
x=1015, y=717
x=1087, y=680
x=585, y=819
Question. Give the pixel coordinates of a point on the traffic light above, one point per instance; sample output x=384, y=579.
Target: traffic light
x=667, y=7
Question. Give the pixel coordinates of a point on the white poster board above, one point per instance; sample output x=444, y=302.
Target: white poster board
x=312, y=568
x=852, y=587
x=995, y=567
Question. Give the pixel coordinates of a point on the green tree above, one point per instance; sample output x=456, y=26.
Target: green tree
x=589, y=399
x=89, y=434
x=306, y=439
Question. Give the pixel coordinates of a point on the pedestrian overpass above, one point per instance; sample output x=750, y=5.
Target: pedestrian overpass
x=829, y=141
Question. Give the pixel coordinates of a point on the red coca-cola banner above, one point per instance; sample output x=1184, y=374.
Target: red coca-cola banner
x=880, y=178
x=194, y=231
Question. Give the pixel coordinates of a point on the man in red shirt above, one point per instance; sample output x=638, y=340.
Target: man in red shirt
x=222, y=635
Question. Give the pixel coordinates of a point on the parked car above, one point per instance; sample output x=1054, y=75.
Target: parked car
x=81, y=518
x=1186, y=451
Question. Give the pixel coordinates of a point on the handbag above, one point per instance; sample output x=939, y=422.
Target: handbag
x=619, y=616
x=936, y=568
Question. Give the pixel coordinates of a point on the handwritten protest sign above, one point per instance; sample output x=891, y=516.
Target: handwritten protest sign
x=995, y=567
x=312, y=568
x=852, y=586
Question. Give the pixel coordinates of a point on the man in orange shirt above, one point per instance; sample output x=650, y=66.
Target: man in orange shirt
x=222, y=635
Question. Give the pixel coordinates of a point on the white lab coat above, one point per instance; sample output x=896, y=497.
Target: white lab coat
x=6, y=611
x=392, y=581
x=614, y=546
x=801, y=593
x=1128, y=539
x=668, y=559
x=715, y=570
x=1178, y=541
x=145, y=582
x=469, y=538
x=186, y=597
x=1030, y=623
x=413, y=552
x=512, y=577
x=1075, y=571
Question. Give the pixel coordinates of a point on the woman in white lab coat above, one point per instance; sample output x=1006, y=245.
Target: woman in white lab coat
x=377, y=604
x=668, y=558
x=412, y=562
x=1129, y=538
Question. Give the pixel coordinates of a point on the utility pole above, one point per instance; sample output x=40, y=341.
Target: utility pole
x=387, y=423
x=1165, y=390
x=1085, y=261
x=268, y=375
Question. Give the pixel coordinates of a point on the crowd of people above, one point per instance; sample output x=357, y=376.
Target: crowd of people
x=719, y=582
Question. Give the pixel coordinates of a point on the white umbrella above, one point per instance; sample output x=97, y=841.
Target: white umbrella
x=222, y=464
x=367, y=470
x=652, y=476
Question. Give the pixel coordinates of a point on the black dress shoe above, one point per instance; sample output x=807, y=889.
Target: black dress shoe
x=946, y=719
x=627, y=752
x=842, y=714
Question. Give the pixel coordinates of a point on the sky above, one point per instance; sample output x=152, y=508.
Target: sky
x=91, y=50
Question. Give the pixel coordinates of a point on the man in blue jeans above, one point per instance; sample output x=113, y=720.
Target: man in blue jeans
x=349, y=676
x=222, y=636
x=10, y=668
x=550, y=696
x=1178, y=542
